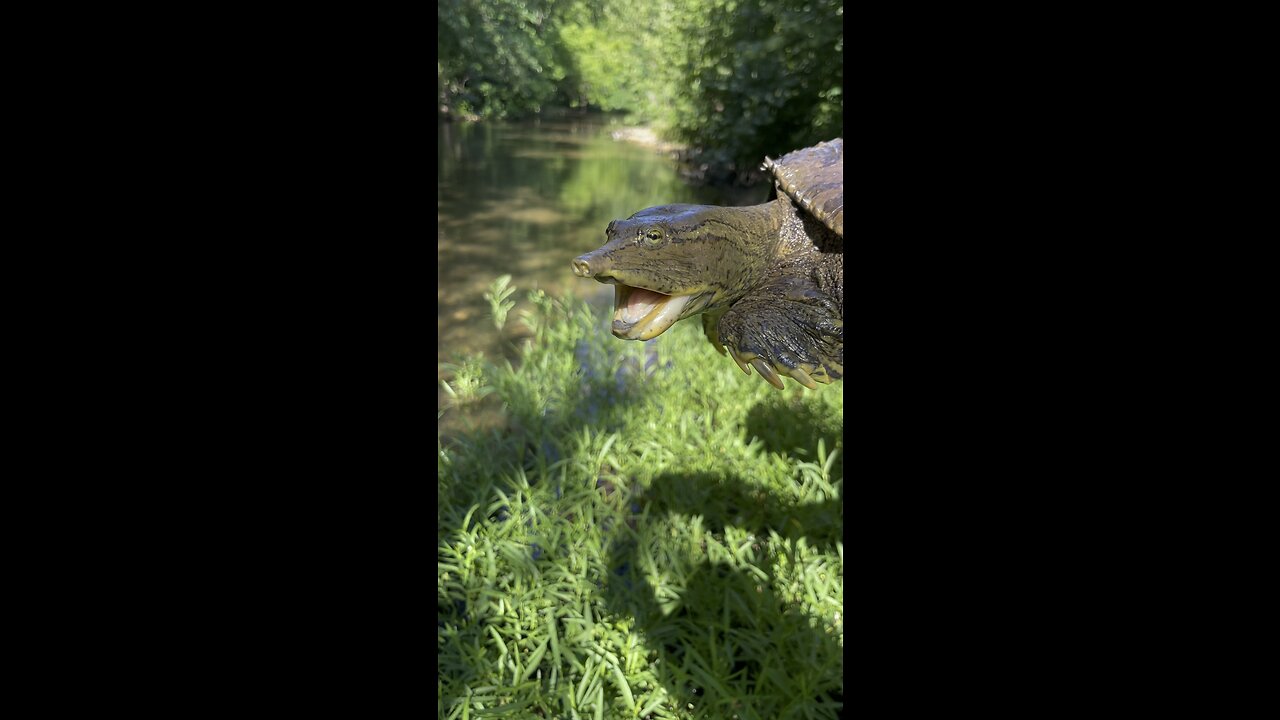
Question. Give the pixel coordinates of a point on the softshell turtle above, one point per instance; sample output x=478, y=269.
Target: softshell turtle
x=768, y=279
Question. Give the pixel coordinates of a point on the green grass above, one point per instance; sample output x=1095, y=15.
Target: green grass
x=652, y=534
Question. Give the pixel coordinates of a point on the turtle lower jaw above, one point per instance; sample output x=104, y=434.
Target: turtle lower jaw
x=640, y=314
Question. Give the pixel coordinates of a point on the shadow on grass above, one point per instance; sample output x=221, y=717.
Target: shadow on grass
x=792, y=425
x=731, y=642
x=722, y=502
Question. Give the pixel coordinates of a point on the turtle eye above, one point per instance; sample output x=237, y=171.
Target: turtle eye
x=652, y=236
x=609, y=230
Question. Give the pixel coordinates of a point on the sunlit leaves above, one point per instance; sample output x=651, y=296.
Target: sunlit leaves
x=497, y=295
x=741, y=80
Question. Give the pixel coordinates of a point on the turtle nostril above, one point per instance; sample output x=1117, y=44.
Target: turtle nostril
x=581, y=268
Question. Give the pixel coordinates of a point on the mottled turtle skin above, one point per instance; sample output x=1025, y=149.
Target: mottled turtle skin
x=768, y=279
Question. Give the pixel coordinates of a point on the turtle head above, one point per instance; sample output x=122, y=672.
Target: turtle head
x=671, y=262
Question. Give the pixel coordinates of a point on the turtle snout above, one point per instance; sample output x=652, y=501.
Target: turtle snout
x=588, y=265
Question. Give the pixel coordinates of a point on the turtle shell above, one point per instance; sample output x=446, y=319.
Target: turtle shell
x=814, y=179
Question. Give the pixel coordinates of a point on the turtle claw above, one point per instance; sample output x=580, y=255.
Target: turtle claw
x=803, y=378
x=738, y=359
x=767, y=373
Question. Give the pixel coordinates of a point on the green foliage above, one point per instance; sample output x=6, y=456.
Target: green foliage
x=740, y=79
x=653, y=534
x=497, y=57
x=621, y=55
x=763, y=78
x=499, y=305
x=468, y=382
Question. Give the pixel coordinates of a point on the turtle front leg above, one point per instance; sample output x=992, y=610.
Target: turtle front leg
x=786, y=328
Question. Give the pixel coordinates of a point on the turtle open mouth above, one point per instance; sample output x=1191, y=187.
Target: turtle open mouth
x=640, y=314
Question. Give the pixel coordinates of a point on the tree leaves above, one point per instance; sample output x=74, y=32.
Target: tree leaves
x=739, y=80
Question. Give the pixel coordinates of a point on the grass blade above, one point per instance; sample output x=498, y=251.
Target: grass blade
x=621, y=682
x=534, y=659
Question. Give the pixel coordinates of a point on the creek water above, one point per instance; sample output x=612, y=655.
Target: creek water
x=524, y=199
